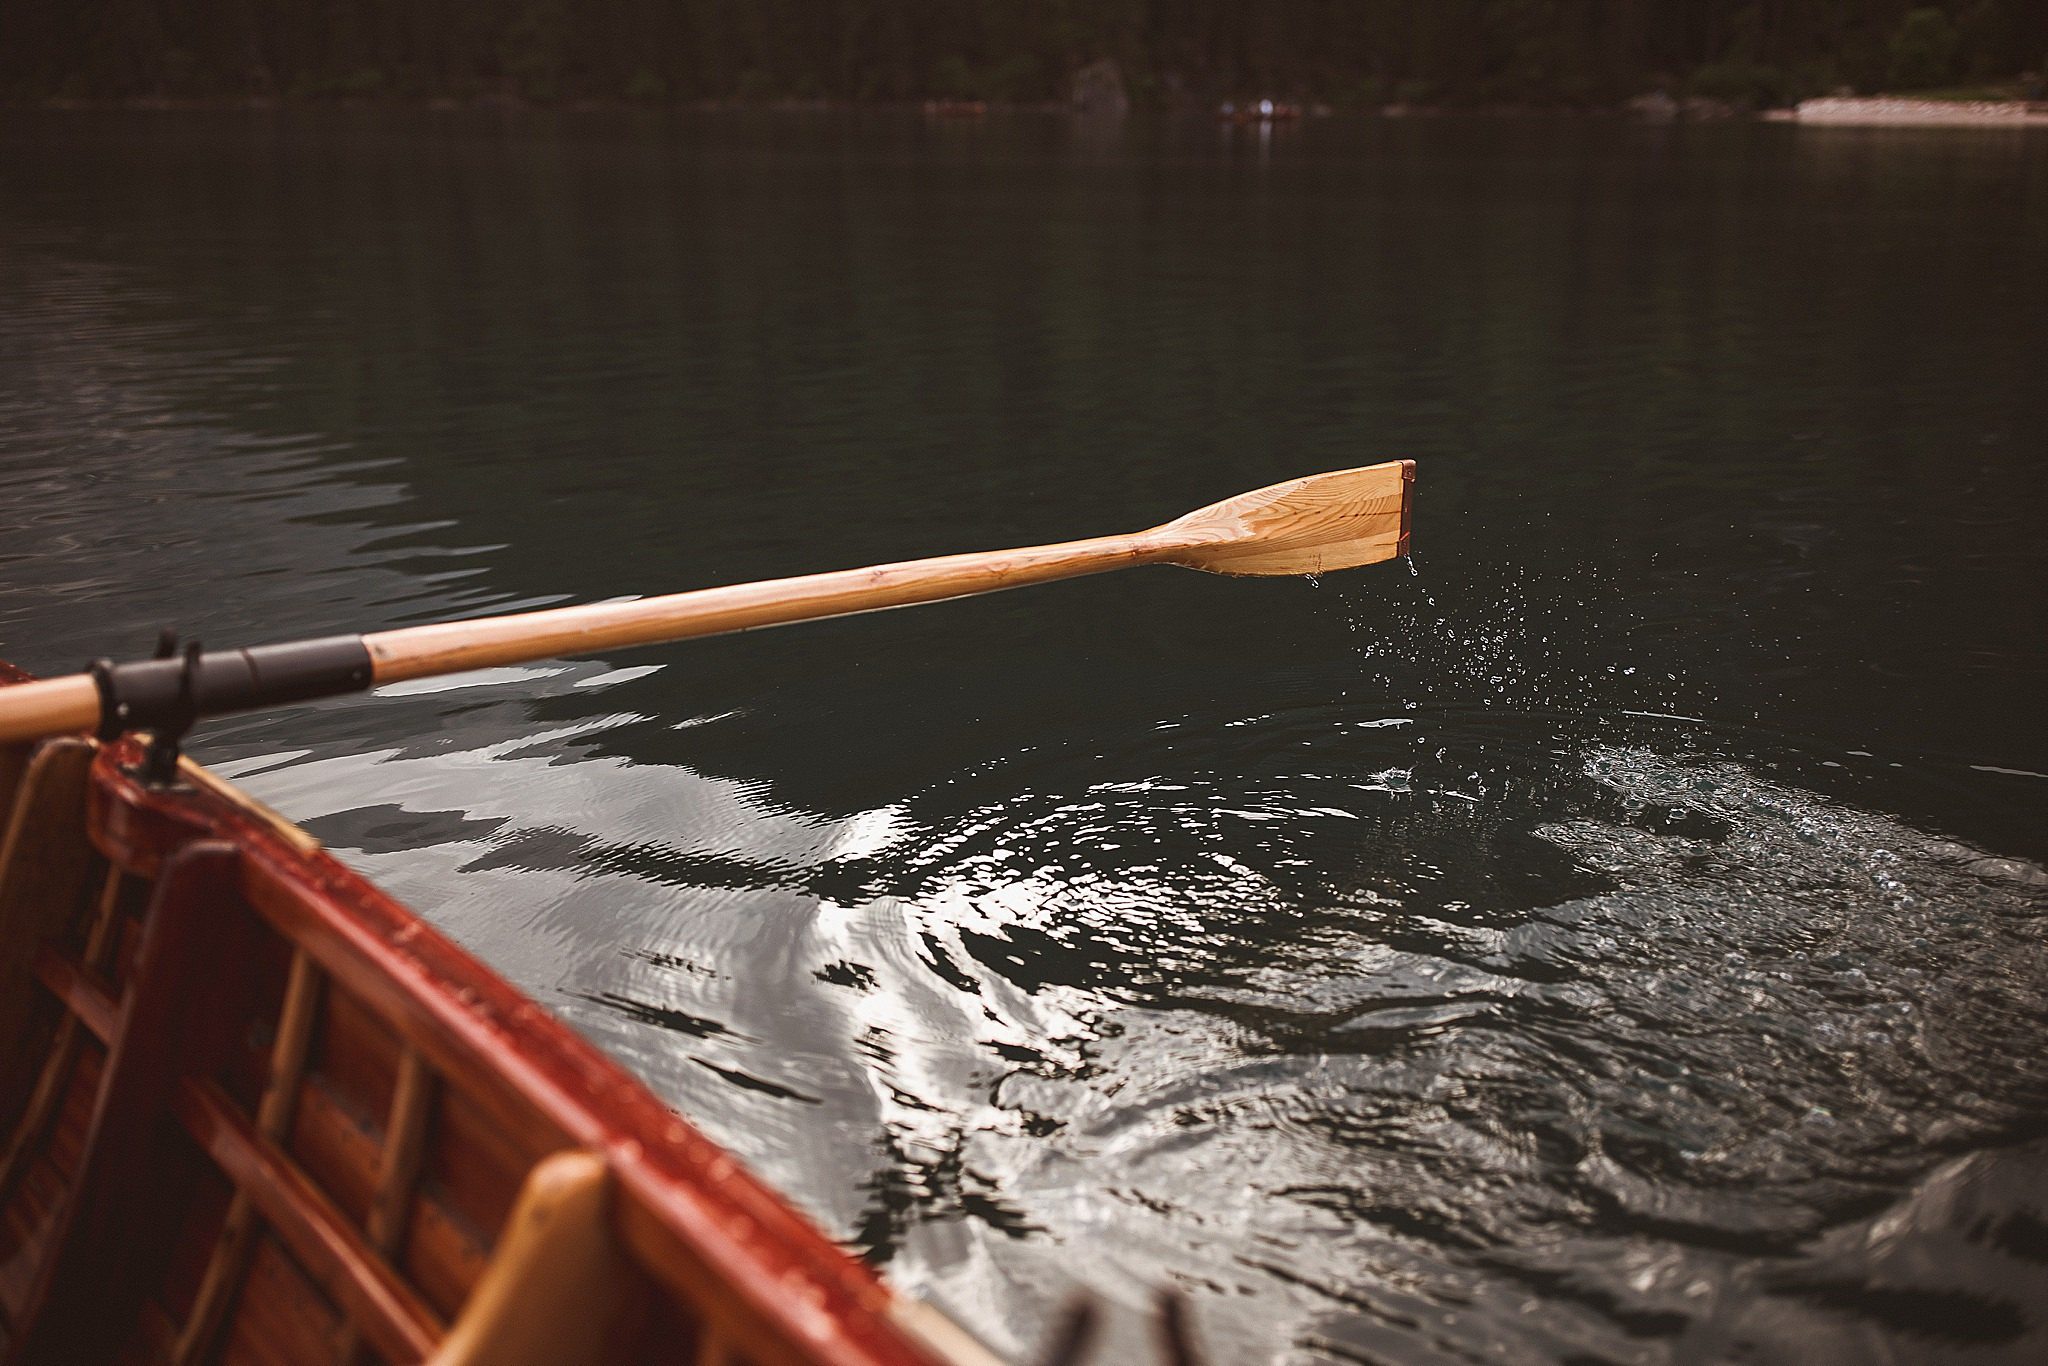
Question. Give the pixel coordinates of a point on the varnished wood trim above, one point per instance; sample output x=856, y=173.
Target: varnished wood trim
x=85, y=997
x=946, y=1340
x=405, y=1141
x=384, y=979
x=44, y=861
x=175, y=1017
x=558, y=1292
x=87, y=1006
x=203, y=777
x=398, y=1169
x=104, y=932
x=391, y=1316
x=229, y=1264
x=295, y=1018
x=29, y=1135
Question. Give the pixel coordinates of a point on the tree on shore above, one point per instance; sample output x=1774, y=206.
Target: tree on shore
x=1347, y=52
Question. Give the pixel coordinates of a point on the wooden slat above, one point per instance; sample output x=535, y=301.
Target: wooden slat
x=193, y=1248
x=486, y=1134
x=475, y=1156
x=405, y=1141
x=661, y=1248
x=88, y=1008
x=440, y=1251
x=87, y=999
x=230, y=1261
x=179, y=1014
x=473, y=1165
x=117, y=927
x=13, y=767
x=282, y=1318
x=101, y=936
x=391, y=1316
x=65, y=1152
x=337, y=1146
x=398, y=1170
x=25, y=1228
x=45, y=858
x=295, y=1021
x=676, y=1234
x=559, y=1292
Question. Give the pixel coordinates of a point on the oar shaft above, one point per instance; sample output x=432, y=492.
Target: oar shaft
x=174, y=692
x=455, y=646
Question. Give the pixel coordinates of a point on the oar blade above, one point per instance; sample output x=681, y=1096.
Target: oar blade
x=1314, y=525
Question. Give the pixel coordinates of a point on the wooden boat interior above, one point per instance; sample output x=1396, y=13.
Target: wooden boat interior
x=256, y=1111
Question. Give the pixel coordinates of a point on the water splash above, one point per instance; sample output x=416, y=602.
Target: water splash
x=1464, y=1008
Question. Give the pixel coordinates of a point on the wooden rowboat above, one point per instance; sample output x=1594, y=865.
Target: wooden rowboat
x=257, y=1111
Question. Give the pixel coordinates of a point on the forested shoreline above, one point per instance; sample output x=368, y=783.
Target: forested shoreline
x=1158, y=53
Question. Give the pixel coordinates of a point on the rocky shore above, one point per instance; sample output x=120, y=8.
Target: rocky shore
x=1890, y=111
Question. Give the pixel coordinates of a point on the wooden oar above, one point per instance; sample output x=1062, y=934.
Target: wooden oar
x=1313, y=525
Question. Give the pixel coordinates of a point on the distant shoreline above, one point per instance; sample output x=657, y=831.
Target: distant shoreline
x=1870, y=111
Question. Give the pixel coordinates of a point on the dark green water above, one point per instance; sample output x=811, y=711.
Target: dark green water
x=1621, y=935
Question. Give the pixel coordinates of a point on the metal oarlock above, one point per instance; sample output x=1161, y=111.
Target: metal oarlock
x=160, y=761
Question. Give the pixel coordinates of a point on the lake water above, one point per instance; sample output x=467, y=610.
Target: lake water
x=1620, y=934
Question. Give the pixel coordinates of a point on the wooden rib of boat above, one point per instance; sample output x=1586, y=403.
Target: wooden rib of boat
x=257, y=1111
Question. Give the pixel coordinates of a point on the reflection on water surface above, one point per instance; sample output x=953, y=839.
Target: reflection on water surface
x=1620, y=938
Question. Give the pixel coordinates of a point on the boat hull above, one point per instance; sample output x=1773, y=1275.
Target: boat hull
x=257, y=1110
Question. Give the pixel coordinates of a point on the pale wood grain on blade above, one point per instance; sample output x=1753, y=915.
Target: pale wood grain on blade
x=1315, y=525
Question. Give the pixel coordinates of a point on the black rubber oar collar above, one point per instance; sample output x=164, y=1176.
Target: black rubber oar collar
x=152, y=694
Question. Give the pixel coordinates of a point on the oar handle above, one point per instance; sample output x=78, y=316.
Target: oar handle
x=455, y=646
x=48, y=706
